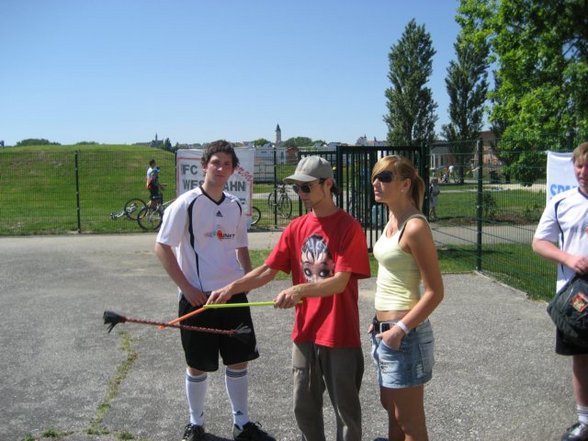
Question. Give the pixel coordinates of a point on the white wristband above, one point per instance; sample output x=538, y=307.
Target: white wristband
x=402, y=326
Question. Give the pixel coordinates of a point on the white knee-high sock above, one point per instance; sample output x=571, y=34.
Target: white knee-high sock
x=236, y=382
x=196, y=388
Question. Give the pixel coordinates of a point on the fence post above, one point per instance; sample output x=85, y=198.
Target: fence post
x=275, y=190
x=479, y=205
x=77, y=174
x=339, y=174
x=425, y=163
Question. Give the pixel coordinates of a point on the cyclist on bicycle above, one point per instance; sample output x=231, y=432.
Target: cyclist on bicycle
x=155, y=188
x=152, y=165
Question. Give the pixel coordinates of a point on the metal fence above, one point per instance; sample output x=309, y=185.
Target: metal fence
x=488, y=216
x=61, y=191
x=485, y=216
x=352, y=170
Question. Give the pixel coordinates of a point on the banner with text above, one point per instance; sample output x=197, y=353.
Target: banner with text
x=189, y=174
x=560, y=173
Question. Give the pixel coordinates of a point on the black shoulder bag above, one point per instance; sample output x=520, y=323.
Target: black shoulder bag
x=569, y=310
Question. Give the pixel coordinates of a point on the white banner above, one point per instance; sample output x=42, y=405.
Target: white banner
x=189, y=174
x=560, y=173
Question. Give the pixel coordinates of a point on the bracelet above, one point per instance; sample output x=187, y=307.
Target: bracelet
x=402, y=326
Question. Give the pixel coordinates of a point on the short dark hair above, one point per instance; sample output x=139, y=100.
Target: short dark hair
x=152, y=162
x=220, y=146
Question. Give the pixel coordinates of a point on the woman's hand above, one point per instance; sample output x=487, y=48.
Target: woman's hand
x=392, y=337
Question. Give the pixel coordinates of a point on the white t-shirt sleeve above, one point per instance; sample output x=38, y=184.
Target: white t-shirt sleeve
x=242, y=239
x=548, y=228
x=174, y=224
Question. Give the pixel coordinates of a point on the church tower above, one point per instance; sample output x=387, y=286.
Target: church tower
x=278, y=136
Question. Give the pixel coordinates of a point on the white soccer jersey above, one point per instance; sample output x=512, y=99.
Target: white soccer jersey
x=565, y=222
x=205, y=235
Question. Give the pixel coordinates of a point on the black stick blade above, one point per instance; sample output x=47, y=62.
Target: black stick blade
x=112, y=319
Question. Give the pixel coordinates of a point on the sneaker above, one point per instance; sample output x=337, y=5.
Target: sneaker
x=577, y=432
x=192, y=432
x=251, y=432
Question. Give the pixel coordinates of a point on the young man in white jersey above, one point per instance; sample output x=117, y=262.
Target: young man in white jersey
x=208, y=229
x=565, y=223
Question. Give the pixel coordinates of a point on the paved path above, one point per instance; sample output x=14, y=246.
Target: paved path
x=496, y=376
x=492, y=234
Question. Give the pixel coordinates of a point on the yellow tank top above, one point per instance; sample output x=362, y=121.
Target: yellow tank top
x=398, y=281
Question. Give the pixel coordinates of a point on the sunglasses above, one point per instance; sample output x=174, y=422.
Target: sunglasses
x=385, y=176
x=305, y=188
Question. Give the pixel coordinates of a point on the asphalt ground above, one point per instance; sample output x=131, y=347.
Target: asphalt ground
x=496, y=376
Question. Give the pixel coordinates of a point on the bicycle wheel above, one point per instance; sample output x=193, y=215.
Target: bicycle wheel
x=149, y=218
x=271, y=200
x=255, y=215
x=133, y=207
x=285, y=206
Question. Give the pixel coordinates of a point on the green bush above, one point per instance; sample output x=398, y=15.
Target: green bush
x=489, y=206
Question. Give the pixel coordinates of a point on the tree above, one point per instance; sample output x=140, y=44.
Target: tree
x=35, y=141
x=261, y=142
x=543, y=54
x=411, y=110
x=467, y=87
x=299, y=142
x=543, y=72
x=540, y=48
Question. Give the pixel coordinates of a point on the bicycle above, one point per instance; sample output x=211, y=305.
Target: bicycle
x=130, y=210
x=284, y=203
x=255, y=215
x=150, y=217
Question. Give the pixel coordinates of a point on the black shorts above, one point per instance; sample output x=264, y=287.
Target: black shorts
x=564, y=347
x=202, y=349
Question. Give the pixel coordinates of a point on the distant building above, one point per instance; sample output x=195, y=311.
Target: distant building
x=365, y=142
x=441, y=156
x=189, y=146
x=264, y=158
x=278, y=136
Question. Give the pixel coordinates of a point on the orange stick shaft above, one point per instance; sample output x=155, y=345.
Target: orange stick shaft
x=184, y=317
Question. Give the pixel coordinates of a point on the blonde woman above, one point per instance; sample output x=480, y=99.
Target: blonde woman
x=402, y=337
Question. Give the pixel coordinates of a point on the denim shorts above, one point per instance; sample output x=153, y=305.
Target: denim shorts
x=410, y=365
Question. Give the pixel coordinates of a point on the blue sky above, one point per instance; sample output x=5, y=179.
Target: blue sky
x=121, y=71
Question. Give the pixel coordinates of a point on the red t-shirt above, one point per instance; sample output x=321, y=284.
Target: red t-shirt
x=312, y=248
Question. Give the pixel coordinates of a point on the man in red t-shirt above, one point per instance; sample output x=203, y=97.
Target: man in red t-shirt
x=326, y=252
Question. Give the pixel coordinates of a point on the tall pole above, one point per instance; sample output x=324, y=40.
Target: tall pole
x=479, y=205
